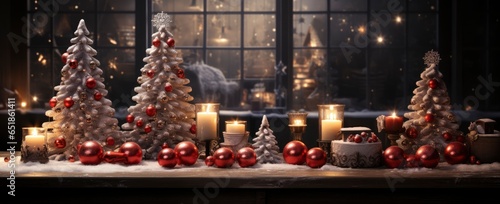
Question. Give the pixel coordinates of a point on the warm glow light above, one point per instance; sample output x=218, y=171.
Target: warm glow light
x=112, y=41
x=393, y=114
x=398, y=19
x=35, y=98
x=221, y=40
x=361, y=29
x=23, y=104
x=380, y=39
x=298, y=122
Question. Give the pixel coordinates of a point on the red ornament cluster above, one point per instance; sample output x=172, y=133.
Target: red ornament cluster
x=362, y=138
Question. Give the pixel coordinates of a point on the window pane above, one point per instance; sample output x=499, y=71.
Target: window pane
x=190, y=56
x=384, y=33
x=260, y=5
x=116, y=5
x=77, y=6
x=422, y=30
x=40, y=77
x=187, y=29
x=260, y=30
x=348, y=5
x=39, y=31
x=223, y=5
x=223, y=30
x=494, y=64
x=473, y=37
x=386, y=79
x=228, y=61
x=348, y=29
x=116, y=30
x=473, y=66
x=305, y=5
x=311, y=85
x=178, y=5
x=423, y=5
x=494, y=29
x=66, y=24
x=387, y=6
x=259, y=63
x=309, y=30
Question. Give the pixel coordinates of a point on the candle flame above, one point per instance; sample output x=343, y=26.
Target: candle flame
x=298, y=122
x=35, y=132
x=394, y=114
x=208, y=109
x=235, y=122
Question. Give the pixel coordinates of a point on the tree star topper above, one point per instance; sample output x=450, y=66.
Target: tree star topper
x=161, y=19
x=431, y=57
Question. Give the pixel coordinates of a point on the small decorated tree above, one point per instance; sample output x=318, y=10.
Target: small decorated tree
x=163, y=113
x=265, y=144
x=430, y=120
x=80, y=109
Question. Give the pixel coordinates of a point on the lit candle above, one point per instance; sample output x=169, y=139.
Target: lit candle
x=330, y=127
x=298, y=122
x=393, y=123
x=235, y=128
x=34, y=140
x=206, y=125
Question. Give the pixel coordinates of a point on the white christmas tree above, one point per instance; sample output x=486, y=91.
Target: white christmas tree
x=80, y=111
x=265, y=144
x=163, y=113
x=430, y=120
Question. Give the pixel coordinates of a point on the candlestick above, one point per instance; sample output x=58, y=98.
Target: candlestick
x=393, y=125
x=297, y=124
x=331, y=118
x=235, y=127
x=207, y=123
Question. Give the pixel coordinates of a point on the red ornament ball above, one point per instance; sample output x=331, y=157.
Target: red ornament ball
x=171, y=42
x=164, y=145
x=64, y=57
x=60, y=142
x=412, y=132
x=411, y=161
x=433, y=83
x=394, y=157
x=168, y=87
x=151, y=110
x=193, y=129
x=139, y=123
x=150, y=73
x=156, y=42
x=428, y=156
x=90, y=153
x=209, y=161
x=71, y=158
x=187, y=153
x=68, y=102
x=97, y=96
x=295, y=152
x=167, y=158
x=316, y=157
x=223, y=157
x=180, y=73
x=90, y=83
x=246, y=157
x=358, y=138
x=53, y=102
x=472, y=159
x=429, y=118
x=447, y=136
x=132, y=151
x=6, y=159
x=130, y=118
x=73, y=64
x=110, y=141
x=455, y=153
x=148, y=128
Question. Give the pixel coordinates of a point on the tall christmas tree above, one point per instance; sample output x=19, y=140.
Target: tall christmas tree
x=266, y=146
x=430, y=120
x=80, y=110
x=163, y=113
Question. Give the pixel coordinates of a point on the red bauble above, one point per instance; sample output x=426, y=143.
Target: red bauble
x=148, y=128
x=209, y=161
x=71, y=158
x=168, y=87
x=358, y=138
x=90, y=83
x=64, y=57
x=412, y=132
x=246, y=157
x=433, y=83
x=171, y=42
x=428, y=156
x=90, y=153
x=139, y=123
x=114, y=157
x=130, y=118
x=447, y=136
x=53, y=102
x=133, y=152
x=110, y=141
x=151, y=110
x=411, y=161
x=60, y=142
x=223, y=157
x=187, y=153
x=295, y=152
x=164, y=145
x=167, y=158
x=68, y=102
x=193, y=129
x=73, y=63
x=429, y=118
x=394, y=157
x=180, y=73
x=150, y=73
x=156, y=42
x=6, y=159
x=316, y=157
x=455, y=153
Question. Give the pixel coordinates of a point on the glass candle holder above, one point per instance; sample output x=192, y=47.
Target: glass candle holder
x=34, y=145
x=297, y=124
x=331, y=119
x=207, y=121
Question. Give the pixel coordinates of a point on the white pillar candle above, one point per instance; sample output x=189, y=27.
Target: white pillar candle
x=34, y=140
x=330, y=127
x=206, y=125
x=235, y=128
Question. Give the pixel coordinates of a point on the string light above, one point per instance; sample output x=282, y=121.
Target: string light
x=398, y=19
x=380, y=39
